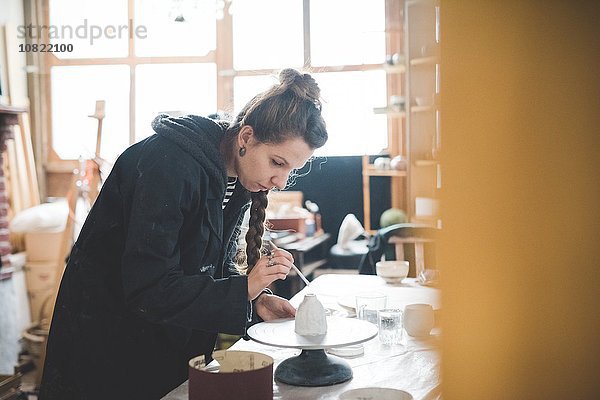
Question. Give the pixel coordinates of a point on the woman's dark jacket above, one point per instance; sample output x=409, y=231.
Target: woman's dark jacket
x=149, y=283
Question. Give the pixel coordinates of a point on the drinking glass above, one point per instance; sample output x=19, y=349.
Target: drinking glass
x=367, y=305
x=390, y=326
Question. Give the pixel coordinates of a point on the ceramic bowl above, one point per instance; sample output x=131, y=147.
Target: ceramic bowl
x=398, y=163
x=376, y=393
x=392, y=271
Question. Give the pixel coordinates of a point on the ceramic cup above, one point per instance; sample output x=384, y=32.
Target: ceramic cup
x=418, y=319
x=367, y=305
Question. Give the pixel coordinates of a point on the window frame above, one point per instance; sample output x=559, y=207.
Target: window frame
x=222, y=57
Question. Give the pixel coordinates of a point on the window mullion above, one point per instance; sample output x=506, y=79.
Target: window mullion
x=306, y=29
x=224, y=60
x=132, y=64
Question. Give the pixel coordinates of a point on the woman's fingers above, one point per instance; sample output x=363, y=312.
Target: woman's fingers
x=269, y=268
x=278, y=271
x=277, y=252
x=289, y=309
x=279, y=261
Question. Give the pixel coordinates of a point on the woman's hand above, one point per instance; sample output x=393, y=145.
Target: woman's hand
x=269, y=268
x=269, y=306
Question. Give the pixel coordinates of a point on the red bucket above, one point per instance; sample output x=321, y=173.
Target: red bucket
x=232, y=375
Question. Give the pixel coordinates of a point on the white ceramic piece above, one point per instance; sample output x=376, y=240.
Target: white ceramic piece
x=310, y=317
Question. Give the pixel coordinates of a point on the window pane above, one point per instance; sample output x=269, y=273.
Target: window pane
x=96, y=29
x=174, y=89
x=175, y=28
x=357, y=37
x=267, y=34
x=246, y=87
x=352, y=126
x=74, y=94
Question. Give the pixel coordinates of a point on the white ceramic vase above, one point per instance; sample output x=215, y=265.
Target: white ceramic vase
x=310, y=317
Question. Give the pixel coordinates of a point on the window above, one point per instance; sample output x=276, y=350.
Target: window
x=246, y=87
x=168, y=35
x=267, y=34
x=348, y=99
x=144, y=57
x=357, y=37
x=74, y=95
x=95, y=29
x=344, y=58
x=173, y=89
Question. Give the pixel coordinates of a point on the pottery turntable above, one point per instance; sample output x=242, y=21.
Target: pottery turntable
x=313, y=367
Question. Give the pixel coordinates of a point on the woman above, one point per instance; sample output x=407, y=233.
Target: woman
x=150, y=281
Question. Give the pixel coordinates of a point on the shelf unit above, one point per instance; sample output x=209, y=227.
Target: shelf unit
x=396, y=115
x=423, y=138
x=413, y=132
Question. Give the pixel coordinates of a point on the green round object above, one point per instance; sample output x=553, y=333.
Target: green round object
x=391, y=217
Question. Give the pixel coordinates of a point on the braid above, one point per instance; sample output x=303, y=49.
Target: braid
x=256, y=228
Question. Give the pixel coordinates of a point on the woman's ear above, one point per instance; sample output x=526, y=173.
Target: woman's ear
x=245, y=136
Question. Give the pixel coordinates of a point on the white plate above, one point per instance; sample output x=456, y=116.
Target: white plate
x=340, y=332
x=348, y=302
x=376, y=393
x=356, y=350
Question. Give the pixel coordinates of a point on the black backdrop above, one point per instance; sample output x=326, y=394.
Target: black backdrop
x=335, y=184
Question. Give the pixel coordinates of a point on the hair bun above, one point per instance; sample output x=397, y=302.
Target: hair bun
x=303, y=85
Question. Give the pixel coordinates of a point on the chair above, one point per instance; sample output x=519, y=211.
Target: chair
x=414, y=243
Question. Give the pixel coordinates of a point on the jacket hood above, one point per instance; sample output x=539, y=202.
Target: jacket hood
x=198, y=136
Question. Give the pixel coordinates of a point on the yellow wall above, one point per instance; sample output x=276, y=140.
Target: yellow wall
x=521, y=189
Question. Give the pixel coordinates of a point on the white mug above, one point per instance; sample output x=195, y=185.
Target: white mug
x=418, y=319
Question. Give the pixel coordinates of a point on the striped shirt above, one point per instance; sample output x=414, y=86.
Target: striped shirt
x=231, y=181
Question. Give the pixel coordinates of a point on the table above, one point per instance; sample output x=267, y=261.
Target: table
x=413, y=367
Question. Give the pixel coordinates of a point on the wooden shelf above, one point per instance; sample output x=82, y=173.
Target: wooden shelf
x=416, y=109
x=425, y=163
x=430, y=60
x=372, y=171
x=394, y=69
x=390, y=112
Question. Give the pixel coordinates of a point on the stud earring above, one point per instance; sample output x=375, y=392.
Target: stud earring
x=242, y=151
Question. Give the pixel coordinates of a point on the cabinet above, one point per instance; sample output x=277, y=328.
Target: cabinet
x=422, y=90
